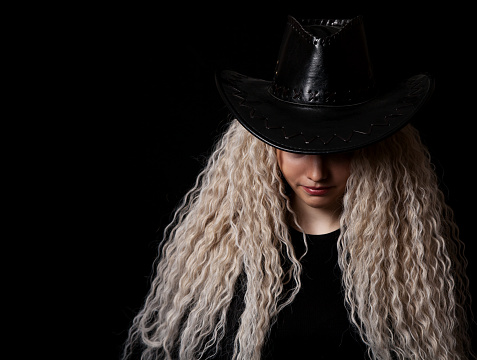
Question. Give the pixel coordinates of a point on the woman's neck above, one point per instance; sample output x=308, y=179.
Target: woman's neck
x=316, y=221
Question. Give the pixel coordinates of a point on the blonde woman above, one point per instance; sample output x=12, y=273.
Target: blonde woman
x=317, y=228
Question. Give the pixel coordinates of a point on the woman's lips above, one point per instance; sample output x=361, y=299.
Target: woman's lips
x=317, y=191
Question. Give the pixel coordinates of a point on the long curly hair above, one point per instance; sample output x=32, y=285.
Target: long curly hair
x=402, y=263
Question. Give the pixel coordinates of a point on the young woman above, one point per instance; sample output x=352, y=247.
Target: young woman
x=317, y=228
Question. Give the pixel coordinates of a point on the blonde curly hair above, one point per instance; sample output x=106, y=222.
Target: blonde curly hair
x=402, y=263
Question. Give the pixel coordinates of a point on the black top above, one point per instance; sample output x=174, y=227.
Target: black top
x=315, y=325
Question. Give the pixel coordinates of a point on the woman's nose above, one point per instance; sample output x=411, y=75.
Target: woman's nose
x=317, y=170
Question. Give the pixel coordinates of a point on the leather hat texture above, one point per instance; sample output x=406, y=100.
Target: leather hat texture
x=323, y=97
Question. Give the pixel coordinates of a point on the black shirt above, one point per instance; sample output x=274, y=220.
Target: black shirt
x=315, y=325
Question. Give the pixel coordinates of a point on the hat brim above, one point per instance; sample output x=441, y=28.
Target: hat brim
x=317, y=129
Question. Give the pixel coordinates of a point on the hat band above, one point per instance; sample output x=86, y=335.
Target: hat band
x=322, y=97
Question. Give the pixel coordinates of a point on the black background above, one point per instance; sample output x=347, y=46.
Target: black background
x=154, y=75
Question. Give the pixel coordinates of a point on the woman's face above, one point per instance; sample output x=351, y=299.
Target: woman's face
x=318, y=181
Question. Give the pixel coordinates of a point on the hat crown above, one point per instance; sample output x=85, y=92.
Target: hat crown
x=324, y=62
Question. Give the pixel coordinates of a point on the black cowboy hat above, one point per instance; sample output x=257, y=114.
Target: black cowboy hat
x=323, y=97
